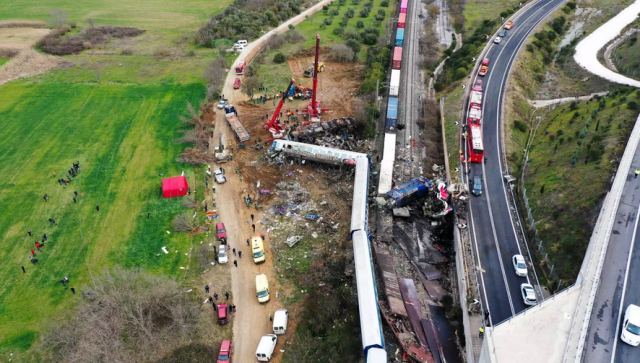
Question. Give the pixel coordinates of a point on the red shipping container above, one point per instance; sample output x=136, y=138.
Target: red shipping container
x=397, y=58
x=402, y=20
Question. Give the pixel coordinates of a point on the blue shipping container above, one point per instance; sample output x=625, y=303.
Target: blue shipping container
x=410, y=191
x=399, y=37
x=392, y=114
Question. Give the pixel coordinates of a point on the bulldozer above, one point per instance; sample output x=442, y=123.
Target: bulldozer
x=309, y=71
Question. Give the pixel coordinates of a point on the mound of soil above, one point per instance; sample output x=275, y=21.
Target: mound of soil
x=58, y=43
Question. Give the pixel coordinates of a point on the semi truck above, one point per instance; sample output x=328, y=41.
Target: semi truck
x=231, y=115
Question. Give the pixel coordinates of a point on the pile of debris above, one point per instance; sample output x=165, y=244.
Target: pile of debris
x=309, y=132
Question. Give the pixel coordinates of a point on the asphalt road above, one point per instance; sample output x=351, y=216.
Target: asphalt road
x=493, y=231
x=619, y=285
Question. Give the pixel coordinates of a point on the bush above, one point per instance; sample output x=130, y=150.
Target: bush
x=338, y=30
x=350, y=13
x=328, y=21
x=364, y=13
x=360, y=24
x=384, y=3
x=279, y=58
x=341, y=53
x=520, y=126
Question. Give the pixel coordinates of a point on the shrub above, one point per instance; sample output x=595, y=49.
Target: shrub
x=360, y=24
x=364, y=13
x=328, y=21
x=384, y=3
x=279, y=58
x=350, y=13
x=338, y=30
x=520, y=126
x=341, y=53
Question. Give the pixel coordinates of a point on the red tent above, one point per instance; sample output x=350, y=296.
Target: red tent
x=176, y=186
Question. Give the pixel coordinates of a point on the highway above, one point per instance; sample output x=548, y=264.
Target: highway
x=619, y=285
x=494, y=233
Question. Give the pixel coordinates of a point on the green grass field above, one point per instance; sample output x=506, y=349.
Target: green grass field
x=476, y=11
x=625, y=57
x=119, y=115
x=276, y=76
x=124, y=137
x=3, y=60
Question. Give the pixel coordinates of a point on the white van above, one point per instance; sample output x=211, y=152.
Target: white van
x=240, y=45
x=257, y=249
x=280, y=318
x=262, y=288
x=631, y=326
x=266, y=346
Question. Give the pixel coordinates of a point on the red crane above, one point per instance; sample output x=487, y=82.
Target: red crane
x=273, y=125
x=314, y=107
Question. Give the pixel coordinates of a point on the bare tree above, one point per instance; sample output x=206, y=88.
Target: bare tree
x=250, y=86
x=215, y=75
x=125, y=316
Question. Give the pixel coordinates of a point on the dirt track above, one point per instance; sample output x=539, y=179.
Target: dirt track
x=252, y=319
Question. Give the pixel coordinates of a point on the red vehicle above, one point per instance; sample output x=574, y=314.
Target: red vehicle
x=476, y=148
x=484, y=67
x=221, y=232
x=223, y=314
x=402, y=20
x=240, y=68
x=224, y=356
x=475, y=97
x=475, y=115
x=236, y=83
x=397, y=58
x=403, y=6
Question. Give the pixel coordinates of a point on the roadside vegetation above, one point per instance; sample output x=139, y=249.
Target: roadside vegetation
x=625, y=57
x=574, y=147
x=122, y=108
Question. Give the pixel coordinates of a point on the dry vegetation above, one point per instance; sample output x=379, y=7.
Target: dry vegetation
x=59, y=42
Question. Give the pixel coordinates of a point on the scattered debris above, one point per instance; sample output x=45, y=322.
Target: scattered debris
x=291, y=241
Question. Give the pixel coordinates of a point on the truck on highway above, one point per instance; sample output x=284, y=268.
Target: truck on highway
x=394, y=82
x=231, y=115
x=408, y=192
x=484, y=67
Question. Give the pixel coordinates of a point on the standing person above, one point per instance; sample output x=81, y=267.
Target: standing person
x=33, y=253
x=73, y=290
x=45, y=197
x=239, y=254
x=235, y=263
x=97, y=208
x=252, y=218
x=215, y=296
x=247, y=242
x=44, y=237
x=29, y=233
x=206, y=288
x=234, y=251
x=23, y=270
x=253, y=226
x=226, y=295
x=38, y=245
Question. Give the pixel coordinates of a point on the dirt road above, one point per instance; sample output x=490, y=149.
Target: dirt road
x=252, y=318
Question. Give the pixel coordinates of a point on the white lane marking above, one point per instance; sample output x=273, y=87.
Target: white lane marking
x=624, y=286
x=475, y=242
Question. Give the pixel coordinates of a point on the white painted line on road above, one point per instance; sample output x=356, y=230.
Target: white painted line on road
x=624, y=286
x=475, y=242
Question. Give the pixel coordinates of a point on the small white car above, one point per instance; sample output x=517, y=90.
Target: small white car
x=218, y=174
x=240, y=45
x=528, y=294
x=631, y=326
x=222, y=254
x=497, y=40
x=221, y=104
x=519, y=265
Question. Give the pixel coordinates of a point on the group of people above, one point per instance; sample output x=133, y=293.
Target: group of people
x=72, y=173
x=38, y=245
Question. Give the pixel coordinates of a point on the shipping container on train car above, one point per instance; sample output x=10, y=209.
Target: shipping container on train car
x=402, y=20
x=397, y=58
x=403, y=6
x=394, y=82
x=391, y=121
x=399, y=37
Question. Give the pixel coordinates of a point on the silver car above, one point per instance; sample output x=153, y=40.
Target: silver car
x=218, y=174
x=528, y=294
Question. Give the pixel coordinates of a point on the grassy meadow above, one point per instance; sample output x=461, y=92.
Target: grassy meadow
x=118, y=114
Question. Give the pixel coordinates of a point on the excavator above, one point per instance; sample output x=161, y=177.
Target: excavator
x=309, y=71
x=273, y=125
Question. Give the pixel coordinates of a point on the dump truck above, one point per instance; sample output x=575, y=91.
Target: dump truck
x=231, y=115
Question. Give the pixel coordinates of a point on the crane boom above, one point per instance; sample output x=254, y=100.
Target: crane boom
x=273, y=123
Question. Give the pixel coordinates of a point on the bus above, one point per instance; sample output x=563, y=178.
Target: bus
x=474, y=140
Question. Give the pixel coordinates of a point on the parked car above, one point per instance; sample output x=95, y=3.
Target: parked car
x=497, y=40
x=221, y=232
x=221, y=104
x=508, y=25
x=240, y=45
x=257, y=249
x=631, y=326
x=236, y=83
x=218, y=174
x=266, y=346
x=476, y=187
x=528, y=294
x=519, y=265
x=280, y=319
x=223, y=314
x=262, y=288
x=223, y=254
x=226, y=349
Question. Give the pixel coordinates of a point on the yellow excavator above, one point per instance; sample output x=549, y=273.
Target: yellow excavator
x=309, y=71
